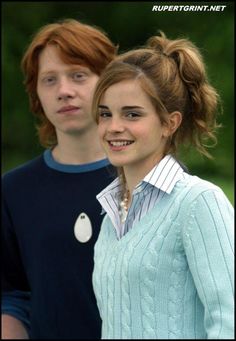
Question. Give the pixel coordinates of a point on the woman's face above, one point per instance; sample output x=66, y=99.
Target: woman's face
x=129, y=127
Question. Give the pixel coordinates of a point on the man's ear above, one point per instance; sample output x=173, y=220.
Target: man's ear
x=172, y=123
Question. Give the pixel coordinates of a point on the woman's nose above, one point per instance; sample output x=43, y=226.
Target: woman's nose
x=116, y=125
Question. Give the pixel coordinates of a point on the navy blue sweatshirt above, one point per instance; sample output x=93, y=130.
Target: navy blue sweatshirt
x=42, y=259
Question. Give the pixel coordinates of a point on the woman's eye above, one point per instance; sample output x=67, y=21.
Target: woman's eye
x=105, y=114
x=132, y=115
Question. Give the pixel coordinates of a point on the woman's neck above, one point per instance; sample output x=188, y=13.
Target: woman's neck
x=134, y=174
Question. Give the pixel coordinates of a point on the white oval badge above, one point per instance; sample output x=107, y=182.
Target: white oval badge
x=83, y=228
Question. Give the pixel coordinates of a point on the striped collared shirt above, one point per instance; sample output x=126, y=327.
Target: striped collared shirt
x=155, y=185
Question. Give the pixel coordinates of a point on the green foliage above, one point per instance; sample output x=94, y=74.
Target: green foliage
x=128, y=24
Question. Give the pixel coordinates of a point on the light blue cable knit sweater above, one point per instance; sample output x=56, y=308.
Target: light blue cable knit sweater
x=171, y=275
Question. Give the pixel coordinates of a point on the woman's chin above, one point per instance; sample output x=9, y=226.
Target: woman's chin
x=115, y=162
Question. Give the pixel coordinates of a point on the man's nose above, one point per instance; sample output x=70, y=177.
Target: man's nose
x=65, y=89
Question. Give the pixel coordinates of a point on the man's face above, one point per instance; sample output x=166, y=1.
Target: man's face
x=65, y=92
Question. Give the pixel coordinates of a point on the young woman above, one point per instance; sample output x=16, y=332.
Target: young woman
x=164, y=255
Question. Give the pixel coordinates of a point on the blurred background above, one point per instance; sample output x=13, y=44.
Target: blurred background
x=128, y=24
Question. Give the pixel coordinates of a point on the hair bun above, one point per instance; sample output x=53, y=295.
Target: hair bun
x=159, y=44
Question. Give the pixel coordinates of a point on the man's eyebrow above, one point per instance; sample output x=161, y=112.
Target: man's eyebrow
x=73, y=68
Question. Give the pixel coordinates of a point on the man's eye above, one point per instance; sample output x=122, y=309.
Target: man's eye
x=49, y=80
x=78, y=76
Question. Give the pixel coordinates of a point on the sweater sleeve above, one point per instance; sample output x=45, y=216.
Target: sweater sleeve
x=208, y=243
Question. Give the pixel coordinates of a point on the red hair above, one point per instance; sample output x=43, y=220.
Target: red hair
x=77, y=44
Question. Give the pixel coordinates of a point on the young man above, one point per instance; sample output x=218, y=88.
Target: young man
x=51, y=217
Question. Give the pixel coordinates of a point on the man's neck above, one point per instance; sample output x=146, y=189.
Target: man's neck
x=76, y=150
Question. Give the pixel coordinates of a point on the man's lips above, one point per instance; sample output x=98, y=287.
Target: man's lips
x=67, y=109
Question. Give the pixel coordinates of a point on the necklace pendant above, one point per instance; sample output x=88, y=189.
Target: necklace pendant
x=123, y=216
x=83, y=228
x=123, y=211
x=124, y=206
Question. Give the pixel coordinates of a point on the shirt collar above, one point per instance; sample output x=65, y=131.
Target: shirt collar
x=163, y=176
x=115, y=186
x=108, y=197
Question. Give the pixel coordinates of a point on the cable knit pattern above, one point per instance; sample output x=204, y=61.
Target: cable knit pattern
x=171, y=275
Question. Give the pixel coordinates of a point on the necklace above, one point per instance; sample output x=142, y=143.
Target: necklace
x=123, y=210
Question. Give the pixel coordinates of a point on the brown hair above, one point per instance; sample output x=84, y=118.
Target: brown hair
x=77, y=43
x=172, y=73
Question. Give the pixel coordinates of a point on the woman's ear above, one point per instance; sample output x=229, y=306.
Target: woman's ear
x=172, y=123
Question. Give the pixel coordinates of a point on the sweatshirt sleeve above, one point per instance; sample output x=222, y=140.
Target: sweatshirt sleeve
x=17, y=304
x=15, y=288
x=13, y=273
x=208, y=243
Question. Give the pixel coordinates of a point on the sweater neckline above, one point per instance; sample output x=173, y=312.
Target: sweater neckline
x=151, y=217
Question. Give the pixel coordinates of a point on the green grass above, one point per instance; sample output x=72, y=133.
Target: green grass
x=227, y=185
